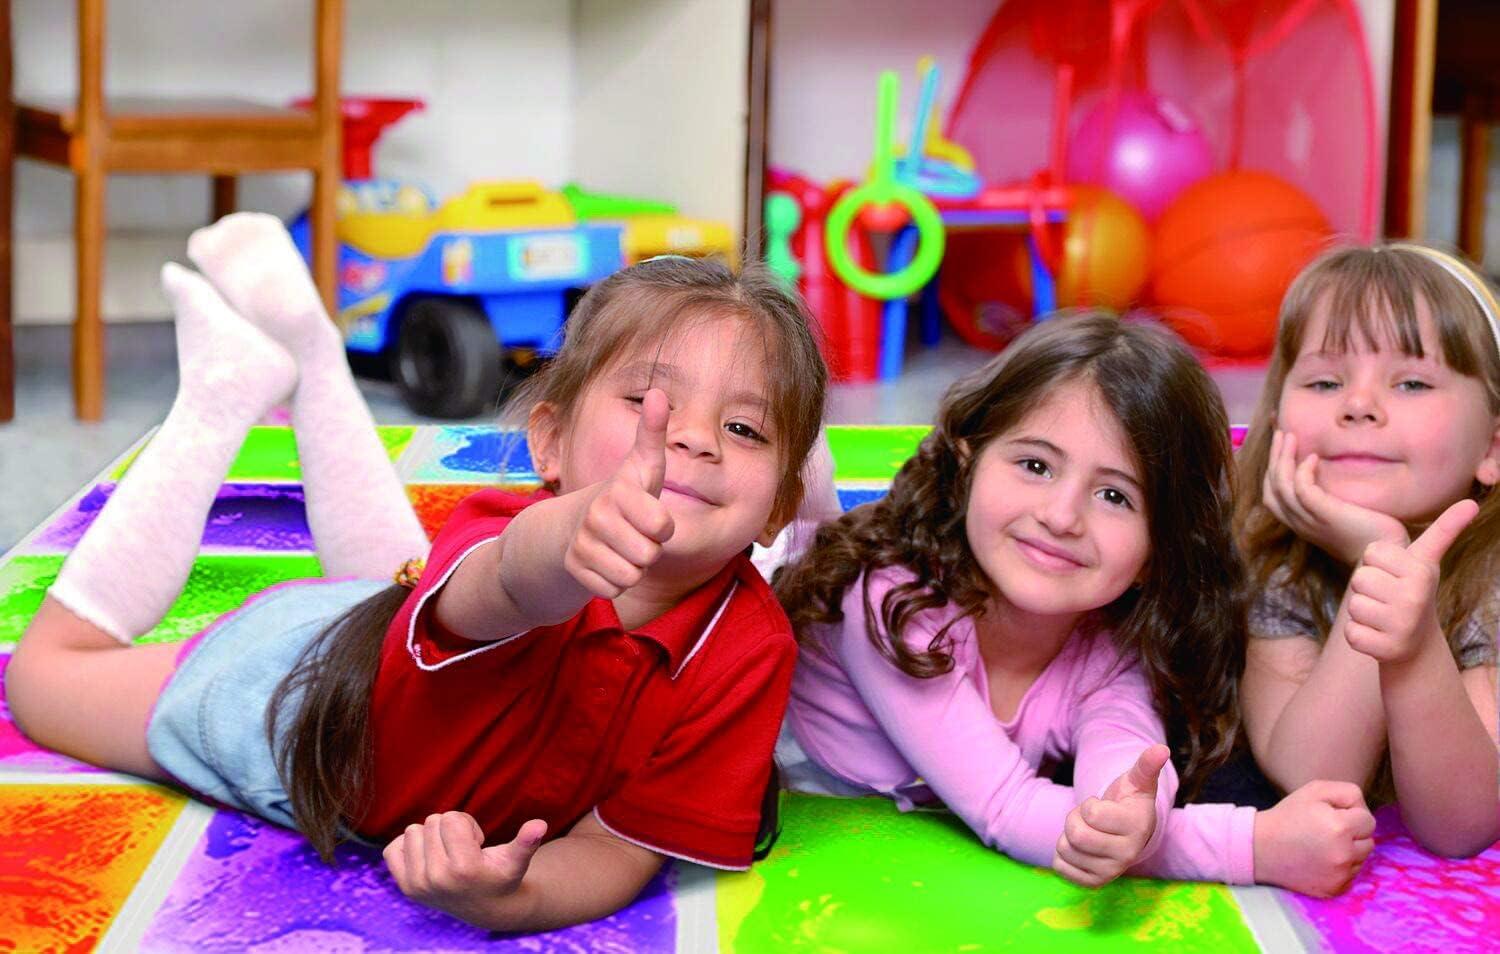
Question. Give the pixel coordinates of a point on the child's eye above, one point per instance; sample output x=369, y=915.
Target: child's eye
x=636, y=398
x=1322, y=384
x=1115, y=498
x=741, y=429
x=1413, y=385
x=1033, y=466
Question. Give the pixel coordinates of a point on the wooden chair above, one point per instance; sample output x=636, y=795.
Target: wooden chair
x=95, y=136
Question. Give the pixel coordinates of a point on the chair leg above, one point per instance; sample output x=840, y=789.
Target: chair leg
x=1473, y=179
x=225, y=198
x=324, y=240
x=88, y=326
x=7, y=224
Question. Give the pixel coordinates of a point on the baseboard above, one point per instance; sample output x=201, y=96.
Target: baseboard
x=43, y=286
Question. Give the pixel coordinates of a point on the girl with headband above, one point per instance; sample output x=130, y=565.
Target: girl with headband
x=1372, y=529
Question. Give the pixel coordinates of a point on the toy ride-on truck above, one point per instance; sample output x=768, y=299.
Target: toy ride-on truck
x=451, y=300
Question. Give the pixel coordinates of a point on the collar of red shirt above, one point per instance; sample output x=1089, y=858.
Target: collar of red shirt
x=681, y=630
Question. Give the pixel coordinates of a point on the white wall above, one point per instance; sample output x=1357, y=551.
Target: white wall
x=643, y=97
x=497, y=78
x=826, y=57
x=659, y=103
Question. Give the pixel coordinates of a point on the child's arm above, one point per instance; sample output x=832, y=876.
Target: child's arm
x=558, y=554
x=1443, y=759
x=522, y=886
x=1314, y=841
x=1123, y=779
x=1313, y=712
x=1484, y=694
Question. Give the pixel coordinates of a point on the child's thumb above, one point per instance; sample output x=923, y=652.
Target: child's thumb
x=1143, y=775
x=1436, y=539
x=510, y=860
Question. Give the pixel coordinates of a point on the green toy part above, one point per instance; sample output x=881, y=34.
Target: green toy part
x=884, y=190
x=783, y=215
x=599, y=205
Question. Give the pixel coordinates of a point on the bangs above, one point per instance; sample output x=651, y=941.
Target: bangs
x=1372, y=298
x=754, y=338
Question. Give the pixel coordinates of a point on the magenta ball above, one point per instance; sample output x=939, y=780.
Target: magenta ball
x=1146, y=150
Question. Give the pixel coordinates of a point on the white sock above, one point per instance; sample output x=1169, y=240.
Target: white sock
x=135, y=558
x=361, y=520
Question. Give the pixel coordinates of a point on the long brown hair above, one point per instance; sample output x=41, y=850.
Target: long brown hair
x=1372, y=294
x=325, y=756
x=1185, y=623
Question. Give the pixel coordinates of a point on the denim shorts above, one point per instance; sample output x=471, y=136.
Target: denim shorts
x=208, y=729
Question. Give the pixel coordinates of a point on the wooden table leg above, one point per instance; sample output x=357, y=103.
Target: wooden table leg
x=225, y=196
x=88, y=325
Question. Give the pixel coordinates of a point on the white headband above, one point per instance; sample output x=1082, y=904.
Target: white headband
x=1467, y=278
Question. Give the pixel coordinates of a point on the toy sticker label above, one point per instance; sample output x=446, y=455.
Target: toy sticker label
x=547, y=256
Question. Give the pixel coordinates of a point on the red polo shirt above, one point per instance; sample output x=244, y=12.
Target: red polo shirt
x=665, y=732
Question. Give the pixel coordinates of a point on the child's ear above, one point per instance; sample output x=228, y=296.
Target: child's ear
x=1488, y=471
x=542, y=439
x=776, y=524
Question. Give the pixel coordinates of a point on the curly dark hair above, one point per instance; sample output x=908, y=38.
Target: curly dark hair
x=1185, y=623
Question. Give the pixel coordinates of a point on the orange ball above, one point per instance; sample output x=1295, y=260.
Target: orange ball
x=1106, y=251
x=1225, y=252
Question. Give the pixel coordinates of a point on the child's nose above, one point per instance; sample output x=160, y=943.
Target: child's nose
x=693, y=434
x=1361, y=406
x=1061, y=512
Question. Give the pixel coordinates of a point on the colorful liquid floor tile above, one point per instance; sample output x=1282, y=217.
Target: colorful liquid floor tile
x=1408, y=900
x=217, y=585
x=847, y=875
x=69, y=857
x=250, y=886
x=858, y=875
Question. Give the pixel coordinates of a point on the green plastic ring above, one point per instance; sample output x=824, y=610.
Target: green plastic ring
x=930, y=240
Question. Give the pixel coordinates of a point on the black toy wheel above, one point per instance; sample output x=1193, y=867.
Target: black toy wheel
x=447, y=361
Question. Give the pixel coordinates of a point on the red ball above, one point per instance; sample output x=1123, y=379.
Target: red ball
x=1225, y=252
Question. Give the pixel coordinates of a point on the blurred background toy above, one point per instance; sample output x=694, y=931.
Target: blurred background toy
x=457, y=300
x=1226, y=251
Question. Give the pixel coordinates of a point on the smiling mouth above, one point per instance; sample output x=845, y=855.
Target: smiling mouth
x=1361, y=460
x=683, y=490
x=1046, y=556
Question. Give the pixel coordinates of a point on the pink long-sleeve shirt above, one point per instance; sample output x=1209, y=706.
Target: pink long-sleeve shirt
x=921, y=741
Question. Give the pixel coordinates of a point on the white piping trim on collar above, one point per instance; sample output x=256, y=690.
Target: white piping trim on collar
x=723, y=605
x=662, y=851
x=415, y=651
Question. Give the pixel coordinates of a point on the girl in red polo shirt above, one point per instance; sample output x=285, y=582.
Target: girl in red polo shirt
x=579, y=684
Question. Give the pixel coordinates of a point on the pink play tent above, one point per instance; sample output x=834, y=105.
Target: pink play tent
x=1278, y=86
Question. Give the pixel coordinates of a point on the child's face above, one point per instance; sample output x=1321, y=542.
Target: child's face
x=723, y=461
x=1400, y=435
x=1056, y=514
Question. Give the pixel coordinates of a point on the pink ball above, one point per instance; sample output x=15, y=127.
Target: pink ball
x=1146, y=150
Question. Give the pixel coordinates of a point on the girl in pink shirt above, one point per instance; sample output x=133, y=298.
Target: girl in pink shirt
x=1052, y=576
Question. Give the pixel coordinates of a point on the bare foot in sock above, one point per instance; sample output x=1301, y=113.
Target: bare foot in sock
x=228, y=367
x=250, y=258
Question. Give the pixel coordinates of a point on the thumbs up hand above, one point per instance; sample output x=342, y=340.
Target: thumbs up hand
x=1103, y=837
x=1392, y=600
x=621, y=532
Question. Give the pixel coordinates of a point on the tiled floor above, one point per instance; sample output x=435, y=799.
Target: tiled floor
x=46, y=455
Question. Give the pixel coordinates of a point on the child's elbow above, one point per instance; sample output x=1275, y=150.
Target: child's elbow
x=1458, y=842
